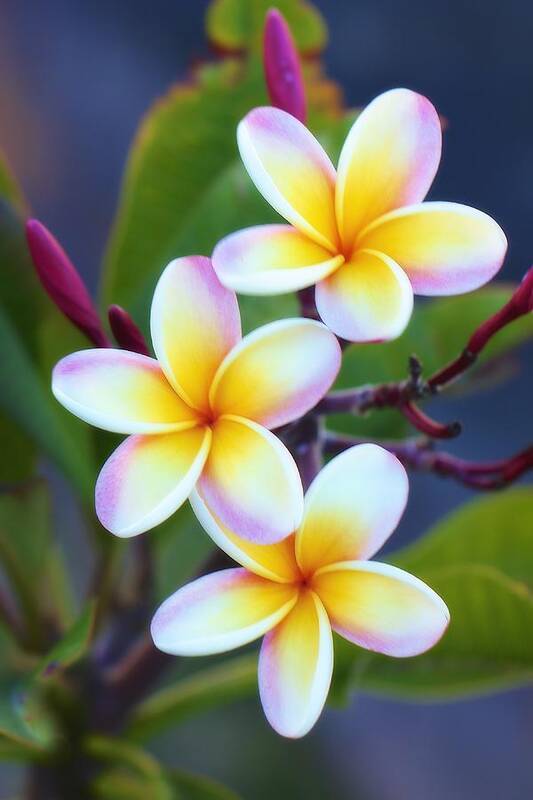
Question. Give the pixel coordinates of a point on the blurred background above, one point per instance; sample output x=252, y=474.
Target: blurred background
x=75, y=80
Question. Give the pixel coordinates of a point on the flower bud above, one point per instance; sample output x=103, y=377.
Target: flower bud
x=283, y=72
x=126, y=332
x=62, y=282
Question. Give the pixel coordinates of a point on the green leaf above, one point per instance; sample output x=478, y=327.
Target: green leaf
x=479, y=559
x=71, y=648
x=238, y=24
x=182, y=189
x=138, y=768
x=24, y=722
x=32, y=407
x=29, y=556
x=198, y=787
x=493, y=531
x=205, y=689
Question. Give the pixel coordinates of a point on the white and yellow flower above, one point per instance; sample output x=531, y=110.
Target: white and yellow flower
x=362, y=234
x=200, y=414
x=296, y=591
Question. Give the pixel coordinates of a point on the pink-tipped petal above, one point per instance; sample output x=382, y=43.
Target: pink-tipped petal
x=292, y=172
x=283, y=72
x=195, y=322
x=445, y=248
x=148, y=478
x=121, y=392
x=389, y=159
x=219, y=612
x=352, y=507
x=368, y=299
x=276, y=562
x=271, y=259
x=250, y=481
x=295, y=667
x=381, y=608
x=277, y=373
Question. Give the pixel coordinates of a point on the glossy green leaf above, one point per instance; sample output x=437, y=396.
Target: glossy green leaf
x=479, y=560
x=238, y=24
x=197, y=787
x=493, y=531
x=207, y=688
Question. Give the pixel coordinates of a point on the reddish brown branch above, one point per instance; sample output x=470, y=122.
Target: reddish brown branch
x=424, y=424
x=520, y=303
x=419, y=454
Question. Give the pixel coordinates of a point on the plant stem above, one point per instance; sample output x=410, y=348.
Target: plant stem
x=418, y=453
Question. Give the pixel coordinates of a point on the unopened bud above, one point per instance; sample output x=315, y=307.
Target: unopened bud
x=62, y=282
x=283, y=72
x=126, y=332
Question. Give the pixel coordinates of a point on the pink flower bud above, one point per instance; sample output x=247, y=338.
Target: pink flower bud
x=283, y=72
x=62, y=282
x=126, y=332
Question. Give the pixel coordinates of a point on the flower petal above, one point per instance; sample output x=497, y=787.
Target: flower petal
x=219, y=612
x=292, y=172
x=251, y=482
x=367, y=299
x=389, y=159
x=381, y=608
x=271, y=259
x=445, y=248
x=120, y=391
x=276, y=562
x=295, y=667
x=352, y=507
x=147, y=478
x=195, y=322
x=277, y=373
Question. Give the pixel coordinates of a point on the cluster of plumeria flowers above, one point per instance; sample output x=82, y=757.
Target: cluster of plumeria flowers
x=199, y=417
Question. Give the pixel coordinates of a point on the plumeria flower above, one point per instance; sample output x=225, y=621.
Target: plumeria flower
x=362, y=234
x=200, y=414
x=298, y=590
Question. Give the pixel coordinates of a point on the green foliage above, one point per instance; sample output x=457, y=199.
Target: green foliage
x=184, y=188
x=26, y=731
x=29, y=418
x=30, y=558
x=71, y=648
x=179, y=546
x=207, y=688
x=479, y=560
x=31, y=406
x=198, y=787
x=238, y=24
x=134, y=774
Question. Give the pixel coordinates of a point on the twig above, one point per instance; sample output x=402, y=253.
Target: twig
x=520, y=303
x=419, y=454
